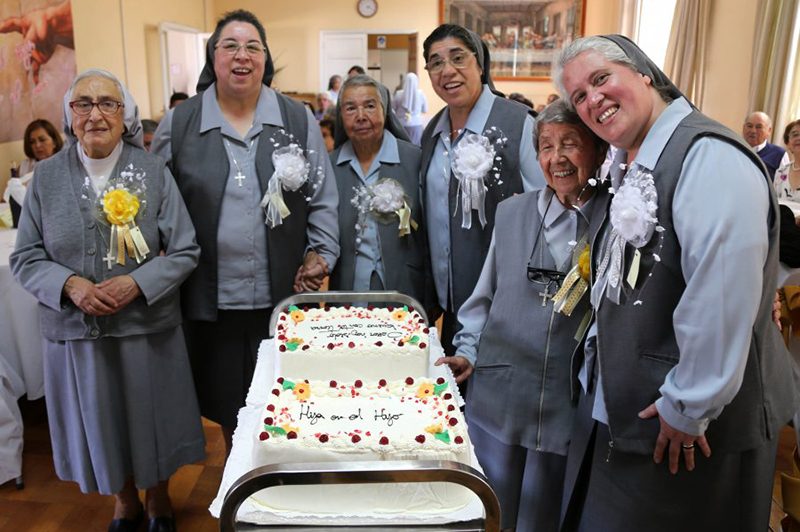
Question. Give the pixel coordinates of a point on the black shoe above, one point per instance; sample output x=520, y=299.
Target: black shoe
x=127, y=525
x=164, y=523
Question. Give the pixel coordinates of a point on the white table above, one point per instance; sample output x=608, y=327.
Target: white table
x=20, y=335
x=239, y=462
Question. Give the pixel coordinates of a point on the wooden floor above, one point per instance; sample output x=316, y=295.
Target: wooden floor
x=48, y=504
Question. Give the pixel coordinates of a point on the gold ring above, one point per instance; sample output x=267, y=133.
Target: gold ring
x=689, y=447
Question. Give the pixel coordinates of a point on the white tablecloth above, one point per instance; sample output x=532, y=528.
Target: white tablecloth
x=20, y=335
x=240, y=462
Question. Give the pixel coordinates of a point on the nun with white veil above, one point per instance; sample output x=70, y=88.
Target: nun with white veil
x=409, y=104
x=104, y=242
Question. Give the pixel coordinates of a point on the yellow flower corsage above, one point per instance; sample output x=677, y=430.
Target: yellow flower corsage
x=121, y=208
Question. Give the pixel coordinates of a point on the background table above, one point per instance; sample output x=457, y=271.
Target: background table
x=20, y=335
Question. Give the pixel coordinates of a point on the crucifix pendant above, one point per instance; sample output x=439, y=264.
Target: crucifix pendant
x=109, y=259
x=239, y=177
x=545, y=295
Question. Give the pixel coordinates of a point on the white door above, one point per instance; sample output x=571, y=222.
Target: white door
x=338, y=52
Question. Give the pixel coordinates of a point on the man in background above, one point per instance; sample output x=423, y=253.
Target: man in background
x=757, y=129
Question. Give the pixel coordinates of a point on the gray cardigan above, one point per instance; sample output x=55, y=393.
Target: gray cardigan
x=63, y=232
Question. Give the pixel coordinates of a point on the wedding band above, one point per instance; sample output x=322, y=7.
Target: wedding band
x=688, y=447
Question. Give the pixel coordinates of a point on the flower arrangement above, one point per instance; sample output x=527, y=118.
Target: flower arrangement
x=633, y=208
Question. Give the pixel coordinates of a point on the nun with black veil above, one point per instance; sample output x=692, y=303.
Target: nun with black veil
x=685, y=380
x=254, y=172
x=476, y=152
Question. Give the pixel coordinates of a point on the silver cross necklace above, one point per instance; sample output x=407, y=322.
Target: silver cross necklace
x=239, y=177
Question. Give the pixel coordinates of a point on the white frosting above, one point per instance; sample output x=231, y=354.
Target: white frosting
x=350, y=343
x=394, y=420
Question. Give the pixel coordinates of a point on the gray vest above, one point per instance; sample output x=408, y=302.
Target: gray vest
x=468, y=247
x=635, y=360
x=200, y=166
x=75, y=234
x=405, y=260
x=520, y=390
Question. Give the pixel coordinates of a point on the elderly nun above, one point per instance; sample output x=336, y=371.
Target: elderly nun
x=380, y=218
x=104, y=243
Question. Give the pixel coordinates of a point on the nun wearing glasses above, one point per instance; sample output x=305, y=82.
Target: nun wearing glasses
x=104, y=242
x=522, y=323
x=476, y=152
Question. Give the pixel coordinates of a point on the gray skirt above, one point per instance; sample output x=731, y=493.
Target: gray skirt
x=120, y=408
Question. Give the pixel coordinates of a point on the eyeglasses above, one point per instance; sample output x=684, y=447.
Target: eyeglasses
x=253, y=48
x=458, y=60
x=545, y=277
x=84, y=107
x=369, y=108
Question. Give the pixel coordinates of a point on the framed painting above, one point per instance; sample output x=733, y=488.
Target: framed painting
x=523, y=36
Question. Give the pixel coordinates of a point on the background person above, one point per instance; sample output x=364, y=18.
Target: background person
x=120, y=400
x=787, y=177
x=665, y=379
x=757, y=130
x=379, y=250
x=40, y=141
x=148, y=131
x=222, y=145
x=474, y=117
x=514, y=347
x=409, y=104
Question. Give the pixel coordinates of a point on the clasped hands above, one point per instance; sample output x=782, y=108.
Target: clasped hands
x=675, y=443
x=102, y=299
x=311, y=273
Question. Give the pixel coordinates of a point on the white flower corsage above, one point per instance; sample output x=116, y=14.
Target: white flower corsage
x=633, y=221
x=291, y=172
x=473, y=158
x=384, y=199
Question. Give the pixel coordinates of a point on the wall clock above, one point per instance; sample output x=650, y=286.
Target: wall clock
x=367, y=8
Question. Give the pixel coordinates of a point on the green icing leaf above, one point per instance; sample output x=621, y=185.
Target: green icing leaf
x=439, y=388
x=405, y=307
x=414, y=339
x=275, y=430
x=443, y=436
x=288, y=385
x=293, y=307
x=292, y=346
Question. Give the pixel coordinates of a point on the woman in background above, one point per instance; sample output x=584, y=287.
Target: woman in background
x=409, y=103
x=41, y=141
x=787, y=178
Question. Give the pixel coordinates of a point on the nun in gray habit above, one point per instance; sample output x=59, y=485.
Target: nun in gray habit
x=382, y=236
x=103, y=244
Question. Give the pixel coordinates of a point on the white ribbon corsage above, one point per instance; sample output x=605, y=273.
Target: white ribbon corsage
x=473, y=158
x=291, y=172
x=384, y=199
x=633, y=221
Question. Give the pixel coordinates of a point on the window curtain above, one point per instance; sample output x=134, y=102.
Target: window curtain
x=774, y=81
x=686, y=51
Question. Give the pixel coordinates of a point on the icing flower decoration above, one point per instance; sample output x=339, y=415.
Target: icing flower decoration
x=399, y=314
x=425, y=390
x=293, y=343
x=302, y=391
x=291, y=172
x=296, y=314
x=473, y=158
x=434, y=429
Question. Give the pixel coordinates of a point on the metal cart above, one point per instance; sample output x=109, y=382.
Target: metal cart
x=362, y=473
